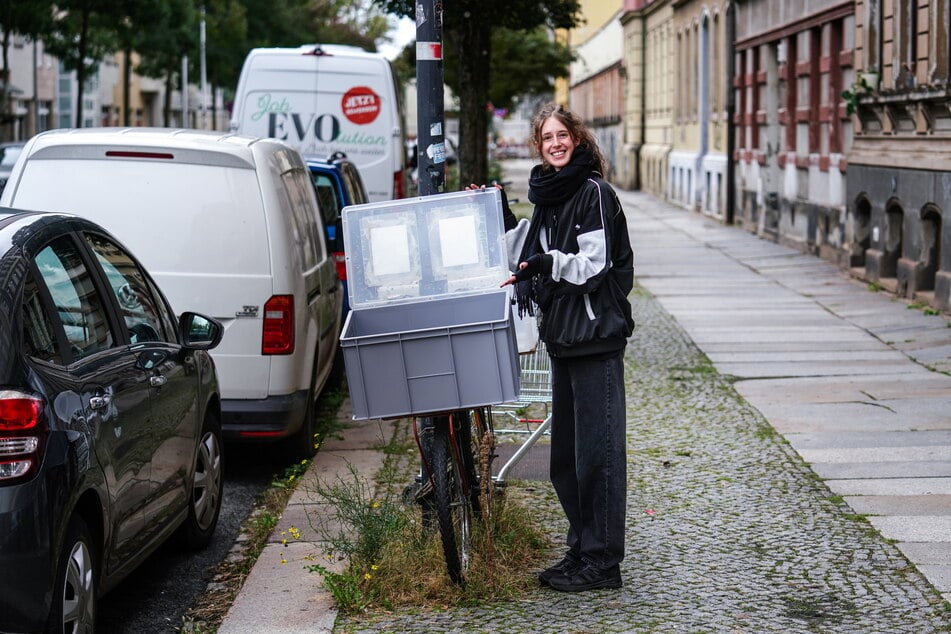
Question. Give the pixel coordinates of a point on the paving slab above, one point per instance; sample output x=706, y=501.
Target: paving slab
x=901, y=505
x=882, y=470
x=927, y=552
x=913, y=528
x=873, y=454
x=893, y=486
x=279, y=600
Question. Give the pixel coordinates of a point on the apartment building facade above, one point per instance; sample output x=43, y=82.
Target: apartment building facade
x=44, y=95
x=649, y=60
x=899, y=185
x=697, y=176
x=792, y=131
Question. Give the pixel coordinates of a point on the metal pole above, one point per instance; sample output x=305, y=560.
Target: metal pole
x=34, y=127
x=204, y=74
x=185, y=91
x=430, y=126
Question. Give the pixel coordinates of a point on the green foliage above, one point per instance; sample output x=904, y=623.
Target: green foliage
x=468, y=26
x=522, y=64
x=82, y=33
x=853, y=94
x=29, y=17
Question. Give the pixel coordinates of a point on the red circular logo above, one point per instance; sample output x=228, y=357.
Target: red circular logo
x=360, y=105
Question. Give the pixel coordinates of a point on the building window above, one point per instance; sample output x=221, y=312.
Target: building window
x=940, y=53
x=873, y=35
x=906, y=43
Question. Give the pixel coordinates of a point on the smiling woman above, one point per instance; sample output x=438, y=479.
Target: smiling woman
x=575, y=265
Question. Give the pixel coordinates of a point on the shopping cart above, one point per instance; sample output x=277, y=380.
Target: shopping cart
x=531, y=413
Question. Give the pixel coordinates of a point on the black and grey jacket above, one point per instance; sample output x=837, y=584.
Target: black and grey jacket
x=588, y=271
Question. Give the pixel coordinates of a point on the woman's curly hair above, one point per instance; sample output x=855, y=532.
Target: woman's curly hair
x=580, y=133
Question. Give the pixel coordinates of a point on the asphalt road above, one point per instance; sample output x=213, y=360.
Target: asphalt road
x=155, y=597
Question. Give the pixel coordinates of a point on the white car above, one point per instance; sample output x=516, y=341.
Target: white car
x=228, y=226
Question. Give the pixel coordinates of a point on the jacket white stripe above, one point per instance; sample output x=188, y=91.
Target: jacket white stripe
x=591, y=258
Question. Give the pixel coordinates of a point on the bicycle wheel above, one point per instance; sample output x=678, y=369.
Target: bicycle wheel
x=451, y=501
x=476, y=441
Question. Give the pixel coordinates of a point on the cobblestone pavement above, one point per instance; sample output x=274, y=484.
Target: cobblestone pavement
x=743, y=538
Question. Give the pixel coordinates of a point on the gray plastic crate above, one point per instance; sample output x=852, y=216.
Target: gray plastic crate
x=433, y=356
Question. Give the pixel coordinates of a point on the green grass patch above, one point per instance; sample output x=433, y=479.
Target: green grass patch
x=393, y=561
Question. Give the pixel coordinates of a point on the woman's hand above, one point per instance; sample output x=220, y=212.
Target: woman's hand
x=513, y=279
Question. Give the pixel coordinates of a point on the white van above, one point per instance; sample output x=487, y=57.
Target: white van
x=327, y=98
x=228, y=226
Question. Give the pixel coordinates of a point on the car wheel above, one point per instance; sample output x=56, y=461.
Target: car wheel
x=204, y=502
x=73, y=610
x=302, y=444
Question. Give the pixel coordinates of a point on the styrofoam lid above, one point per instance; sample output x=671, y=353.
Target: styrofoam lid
x=429, y=246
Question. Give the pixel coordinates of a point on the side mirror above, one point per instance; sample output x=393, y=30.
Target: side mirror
x=198, y=332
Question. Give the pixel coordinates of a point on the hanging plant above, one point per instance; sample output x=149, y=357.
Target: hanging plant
x=866, y=83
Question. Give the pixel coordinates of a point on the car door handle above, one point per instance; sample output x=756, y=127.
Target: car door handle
x=157, y=381
x=100, y=402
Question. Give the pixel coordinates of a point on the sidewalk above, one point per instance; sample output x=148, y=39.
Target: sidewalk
x=856, y=381
x=842, y=373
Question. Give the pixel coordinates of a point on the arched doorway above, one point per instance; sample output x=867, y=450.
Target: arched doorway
x=861, y=232
x=930, y=256
x=894, y=219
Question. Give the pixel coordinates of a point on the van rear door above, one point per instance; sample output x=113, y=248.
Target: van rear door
x=220, y=270
x=323, y=100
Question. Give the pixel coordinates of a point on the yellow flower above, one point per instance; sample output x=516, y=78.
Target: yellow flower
x=367, y=576
x=374, y=567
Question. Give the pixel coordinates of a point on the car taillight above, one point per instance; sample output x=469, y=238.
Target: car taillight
x=21, y=433
x=278, y=334
x=398, y=189
x=340, y=260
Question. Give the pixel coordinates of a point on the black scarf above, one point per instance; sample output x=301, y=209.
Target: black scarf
x=548, y=190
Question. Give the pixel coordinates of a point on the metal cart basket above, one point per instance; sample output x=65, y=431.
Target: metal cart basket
x=522, y=416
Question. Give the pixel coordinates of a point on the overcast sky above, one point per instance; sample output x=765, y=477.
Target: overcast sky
x=403, y=34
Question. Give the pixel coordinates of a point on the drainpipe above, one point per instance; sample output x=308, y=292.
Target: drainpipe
x=730, y=112
x=638, y=185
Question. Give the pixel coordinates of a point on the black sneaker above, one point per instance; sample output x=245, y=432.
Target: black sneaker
x=587, y=577
x=567, y=565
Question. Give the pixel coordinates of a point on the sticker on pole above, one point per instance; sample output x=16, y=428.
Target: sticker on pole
x=360, y=105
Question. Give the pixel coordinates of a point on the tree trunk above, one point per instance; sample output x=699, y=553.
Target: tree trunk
x=167, y=105
x=472, y=38
x=127, y=87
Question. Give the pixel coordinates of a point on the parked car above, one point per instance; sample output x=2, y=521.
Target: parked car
x=338, y=183
x=228, y=225
x=8, y=156
x=110, y=436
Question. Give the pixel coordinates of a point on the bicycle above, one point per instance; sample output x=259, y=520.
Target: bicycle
x=457, y=449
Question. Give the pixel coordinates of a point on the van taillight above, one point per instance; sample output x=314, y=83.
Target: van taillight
x=340, y=261
x=21, y=434
x=278, y=334
x=398, y=190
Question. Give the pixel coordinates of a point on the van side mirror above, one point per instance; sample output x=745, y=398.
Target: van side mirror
x=198, y=332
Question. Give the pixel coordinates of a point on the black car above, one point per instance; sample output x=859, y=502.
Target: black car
x=110, y=441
